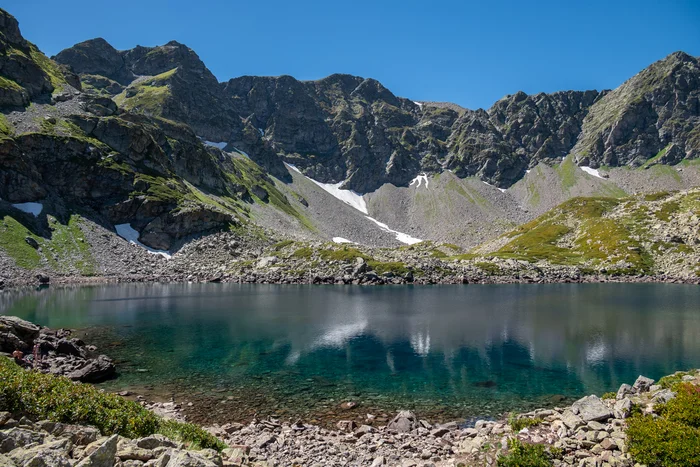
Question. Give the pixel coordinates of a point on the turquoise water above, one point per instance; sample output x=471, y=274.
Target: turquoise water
x=458, y=351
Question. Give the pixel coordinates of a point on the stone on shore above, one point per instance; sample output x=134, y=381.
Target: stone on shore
x=591, y=408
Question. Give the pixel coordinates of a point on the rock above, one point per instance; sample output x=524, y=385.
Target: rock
x=591, y=408
x=346, y=425
x=132, y=452
x=4, y=418
x=663, y=396
x=43, y=279
x=155, y=441
x=95, y=371
x=18, y=437
x=624, y=390
x=78, y=434
x=103, y=456
x=571, y=420
x=189, y=459
x=267, y=261
x=32, y=242
x=404, y=422
x=622, y=408
x=6, y=461
x=54, y=454
x=20, y=328
x=642, y=384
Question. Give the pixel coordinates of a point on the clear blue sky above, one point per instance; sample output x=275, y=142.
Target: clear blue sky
x=468, y=52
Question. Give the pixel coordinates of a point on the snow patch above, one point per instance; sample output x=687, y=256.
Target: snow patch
x=502, y=190
x=220, y=145
x=528, y=171
x=341, y=240
x=30, y=208
x=242, y=152
x=262, y=132
x=348, y=197
x=591, y=171
x=400, y=236
x=418, y=104
x=128, y=233
x=420, y=179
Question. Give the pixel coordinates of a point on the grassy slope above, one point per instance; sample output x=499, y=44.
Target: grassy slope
x=618, y=235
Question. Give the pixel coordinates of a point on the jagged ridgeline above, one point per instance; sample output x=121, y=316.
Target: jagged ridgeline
x=148, y=144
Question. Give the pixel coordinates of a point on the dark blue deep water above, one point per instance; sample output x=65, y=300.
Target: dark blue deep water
x=474, y=350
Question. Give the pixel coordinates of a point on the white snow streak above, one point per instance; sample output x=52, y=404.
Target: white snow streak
x=30, y=208
x=220, y=145
x=419, y=179
x=262, y=132
x=502, y=190
x=341, y=240
x=348, y=197
x=128, y=233
x=591, y=171
x=356, y=200
x=400, y=236
x=418, y=104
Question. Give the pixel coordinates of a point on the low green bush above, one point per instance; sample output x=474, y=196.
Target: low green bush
x=47, y=397
x=518, y=424
x=672, y=439
x=609, y=395
x=662, y=442
x=525, y=455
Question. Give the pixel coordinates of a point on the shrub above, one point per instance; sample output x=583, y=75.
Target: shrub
x=609, y=395
x=667, y=382
x=518, y=424
x=673, y=439
x=524, y=455
x=57, y=398
x=685, y=407
x=662, y=442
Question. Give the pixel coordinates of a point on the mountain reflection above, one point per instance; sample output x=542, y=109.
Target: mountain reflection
x=535, y=339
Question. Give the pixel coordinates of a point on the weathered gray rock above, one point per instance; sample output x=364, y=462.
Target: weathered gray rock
x=104, y=456
x=189, y=459
x=663, y=396
x=78, y=434
x=18, y=437
x=571, y=420
x=591, y=408
x=6, y=461
x=625, y=389
x=642, y=384
x=404, y=422
x=53, y=454
x=622, y=408
x=155, y=441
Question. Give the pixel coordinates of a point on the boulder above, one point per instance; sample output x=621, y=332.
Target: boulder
x=404, y=422
x=95, y=371
x=23, y=329
x=189, y=459
x=642, y=384
x=622, y=408
x=18, y=437
x=103, y=456
x=78, y=434
x=54, y=454
x=591, y=408
x=624, y=390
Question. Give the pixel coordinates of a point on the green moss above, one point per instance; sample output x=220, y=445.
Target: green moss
x=283, y=244
x=656, y=196
x=68, y=247
x=345, y=254
x=49, y=67
x=567, y=172
x=12, y=240
x=8, y=84
x=56, y=398
x=5, y=126
x=488, y=268
x=397, y=268
x=539, y=243
x=303, y=253
x=609, y=396
x=452, y=246
x=658, y=156
x=667, y=210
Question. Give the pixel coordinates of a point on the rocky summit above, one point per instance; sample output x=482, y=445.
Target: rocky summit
x=140, y=165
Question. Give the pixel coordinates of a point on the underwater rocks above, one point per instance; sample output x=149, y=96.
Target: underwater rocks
x=53, y=351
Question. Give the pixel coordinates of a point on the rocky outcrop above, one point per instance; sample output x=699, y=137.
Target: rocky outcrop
x=655, y=111
x=52, y=351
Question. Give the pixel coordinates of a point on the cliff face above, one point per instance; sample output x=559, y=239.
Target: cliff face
x=354, y=130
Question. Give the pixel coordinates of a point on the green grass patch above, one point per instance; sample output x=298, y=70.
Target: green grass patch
x=5, y=126
x=12, y=240
x=667, y=382
x=49, y=67
x=488, y=268
x=303, y=253
x=539, y=243
x=667, y=210
x=397, y=268
x=518, y=424
x=525, y=455
x=68, y=247
x=283, y=244
x=56, y=398
x=656, y=196
x=346, y=254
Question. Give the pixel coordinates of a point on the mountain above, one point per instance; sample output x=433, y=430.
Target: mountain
x=100, y=148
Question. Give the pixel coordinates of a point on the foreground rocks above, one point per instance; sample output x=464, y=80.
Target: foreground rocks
x=590, y=432
x=49, y=444
x=53, y=351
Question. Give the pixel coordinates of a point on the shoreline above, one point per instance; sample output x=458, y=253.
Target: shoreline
x=17, y=283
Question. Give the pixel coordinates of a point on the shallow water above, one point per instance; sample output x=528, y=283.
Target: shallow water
x=459, y=351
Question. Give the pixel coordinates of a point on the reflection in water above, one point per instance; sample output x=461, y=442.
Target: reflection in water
x=471, y=345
